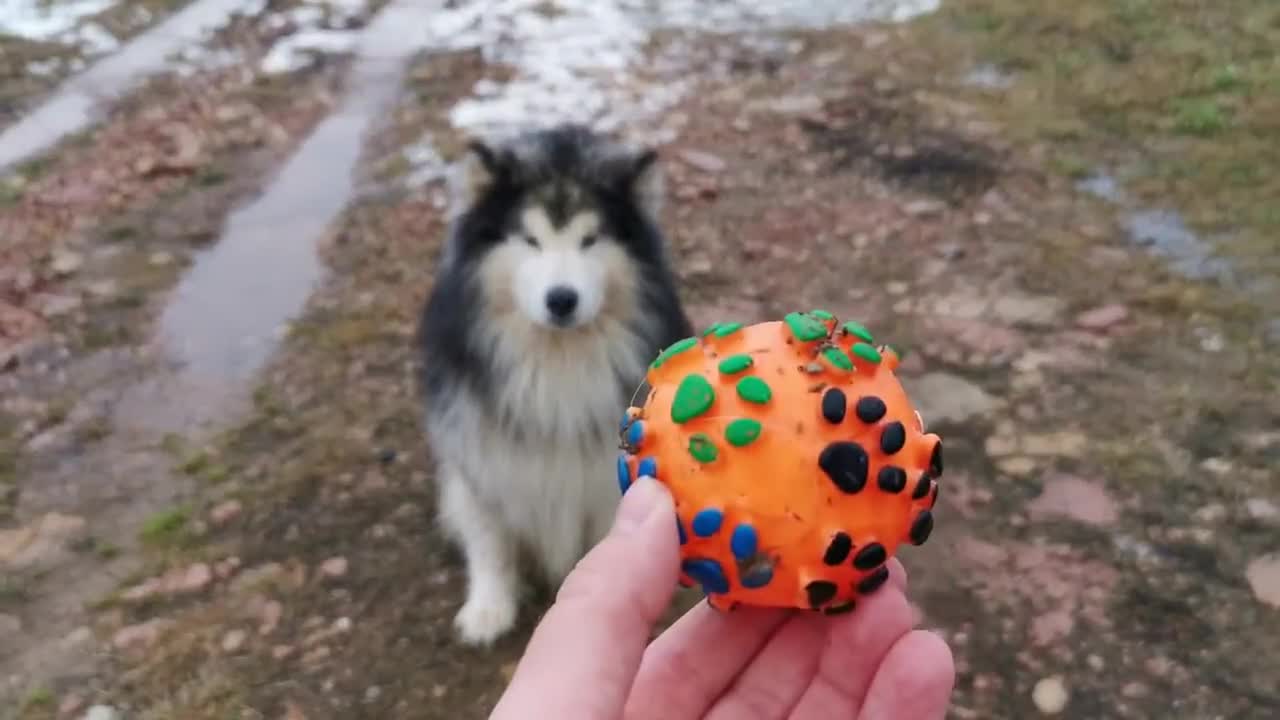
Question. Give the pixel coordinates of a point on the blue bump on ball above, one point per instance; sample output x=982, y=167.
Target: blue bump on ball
x=758, y=577
x=648, y=467
x=708, y=574
x=680, y=528
x=707, y=522
x=635, y=433
x=743, y=542
x=624, y=474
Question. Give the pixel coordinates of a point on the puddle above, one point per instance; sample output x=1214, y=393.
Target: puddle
x=588, y=61
x=1166, y=235
x=230, y=311
x=989, y=77
x=1163, y=233
x=71, y=108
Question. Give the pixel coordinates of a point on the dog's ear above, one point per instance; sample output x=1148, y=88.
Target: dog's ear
x=480, y=169
x=639, y=174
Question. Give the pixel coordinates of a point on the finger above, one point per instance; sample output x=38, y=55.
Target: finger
x=857, y=645
x=687, y=667
x=779, y=674
x=914, y=682
x=584, y=653
x=897, y=575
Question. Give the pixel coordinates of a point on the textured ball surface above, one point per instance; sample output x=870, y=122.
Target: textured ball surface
x=796, y=460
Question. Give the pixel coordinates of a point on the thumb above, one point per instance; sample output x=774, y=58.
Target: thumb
x=586, y=651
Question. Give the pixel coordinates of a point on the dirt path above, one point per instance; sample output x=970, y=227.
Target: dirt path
x=214, y=500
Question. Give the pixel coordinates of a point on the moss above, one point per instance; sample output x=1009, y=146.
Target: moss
x=165, y=528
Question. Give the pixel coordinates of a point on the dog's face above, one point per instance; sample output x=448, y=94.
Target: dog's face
x=561, y=268
x=559, y=233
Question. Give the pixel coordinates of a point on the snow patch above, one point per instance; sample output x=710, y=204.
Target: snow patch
x=588, y=61
x=41, y=20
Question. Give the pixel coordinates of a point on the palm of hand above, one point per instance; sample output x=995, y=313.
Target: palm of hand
x=755, y=664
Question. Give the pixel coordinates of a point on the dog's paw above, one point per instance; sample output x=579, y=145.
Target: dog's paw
x=484, y=619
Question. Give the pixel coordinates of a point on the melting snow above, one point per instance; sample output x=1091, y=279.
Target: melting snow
x=44, y=20
x=587, y=60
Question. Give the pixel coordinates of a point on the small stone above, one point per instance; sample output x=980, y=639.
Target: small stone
x=55, y=305
x=703, y=161
x=10, y=626
x=1211, y=514
x=66, y=263
x=924, y=208
x=70, y=705
x=1102, y=318
x=1032, y=310
x=195, y=579
x=1217, y=466
x=140, y=636
x=103, y=712
x=1050, y=695
x=1076, y=498
x=942, y=397
x=1134, y=690
x=1264, y=578
x=1064, y=443
x=334, y=567
x=1261, y=509
x=104, y=289
x=234, y=640
x=280, y=652
x=1017, y=466
x=272, y=612
x=160, y=259
x=1096, y=663
x=225, y=512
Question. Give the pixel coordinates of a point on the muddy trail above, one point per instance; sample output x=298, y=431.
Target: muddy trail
x=218, y=226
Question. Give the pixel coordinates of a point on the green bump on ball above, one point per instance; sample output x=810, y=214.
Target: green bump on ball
x=676, y=348
x=859, y=331
x=822, y=315
x=727, y=329
x=710, y=329
x=742, y=431
x=702, y=448
x=866, y=352
x=693, y=397
x=837, y=358
x=754, y=390
x=804, y=327
x=735, y=364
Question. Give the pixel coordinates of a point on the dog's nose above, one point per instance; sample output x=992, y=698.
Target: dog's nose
x=562, y=301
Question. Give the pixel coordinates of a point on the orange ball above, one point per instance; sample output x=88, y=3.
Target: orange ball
x=797, y=462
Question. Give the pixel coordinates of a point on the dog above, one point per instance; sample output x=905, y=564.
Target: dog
x=553, y=292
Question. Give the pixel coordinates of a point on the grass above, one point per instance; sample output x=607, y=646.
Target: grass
x=1191, y=90
x=166, y=528
x=37, y=698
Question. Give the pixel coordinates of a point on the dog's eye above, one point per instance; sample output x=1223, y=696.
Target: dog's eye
x=531, y=240
x=589, y=240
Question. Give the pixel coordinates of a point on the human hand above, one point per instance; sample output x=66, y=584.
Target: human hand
x=590, y=656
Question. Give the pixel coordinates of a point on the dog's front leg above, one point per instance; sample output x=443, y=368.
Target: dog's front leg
x=492, y=602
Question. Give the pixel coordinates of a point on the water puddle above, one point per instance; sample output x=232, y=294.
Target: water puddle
x=1163, y=233
x=230, y=310
x=71, y=108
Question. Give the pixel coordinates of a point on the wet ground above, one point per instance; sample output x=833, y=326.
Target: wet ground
x=214, y=499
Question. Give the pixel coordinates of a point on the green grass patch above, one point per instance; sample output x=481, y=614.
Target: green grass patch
x=166, y=528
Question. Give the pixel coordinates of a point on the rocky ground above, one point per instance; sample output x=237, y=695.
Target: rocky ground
x=1064, y=216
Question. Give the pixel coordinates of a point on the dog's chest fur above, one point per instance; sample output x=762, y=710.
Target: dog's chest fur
x=540, y=447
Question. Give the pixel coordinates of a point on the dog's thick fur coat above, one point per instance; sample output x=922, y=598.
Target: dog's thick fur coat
x=552, y=294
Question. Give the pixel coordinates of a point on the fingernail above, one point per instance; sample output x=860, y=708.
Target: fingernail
x=642, y=500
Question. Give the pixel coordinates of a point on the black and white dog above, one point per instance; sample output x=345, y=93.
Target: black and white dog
x=552, y=295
